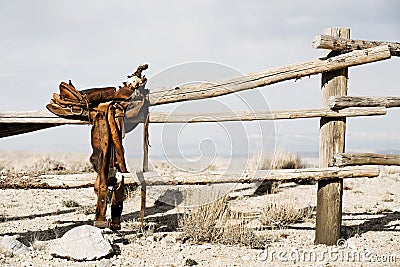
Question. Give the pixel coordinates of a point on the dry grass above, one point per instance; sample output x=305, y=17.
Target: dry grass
x=131, y=191
x=87, y=209
x=216, y=223
x=383, y=210
x=387, y=199
x=280, y=214
x=36, y=241
x=49, y=165
x=70, y=203
x=43, y=163
x=2, y=165
x=283, y=160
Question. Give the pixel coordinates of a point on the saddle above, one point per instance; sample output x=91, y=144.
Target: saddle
x=105, y=109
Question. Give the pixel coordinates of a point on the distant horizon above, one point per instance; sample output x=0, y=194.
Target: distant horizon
x=81, y=148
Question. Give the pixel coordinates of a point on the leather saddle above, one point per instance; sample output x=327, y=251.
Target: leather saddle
x=105, y=109
x=83, y=105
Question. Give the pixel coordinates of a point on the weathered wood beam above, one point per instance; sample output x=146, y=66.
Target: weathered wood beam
x=192, y=117
x=348, y=159
x=43, y=117
x=153, y=178
x=344, y=44
x=35, y=117
x=339, y=102
x=270, y=76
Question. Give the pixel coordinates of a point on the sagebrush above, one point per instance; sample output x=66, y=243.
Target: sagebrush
x=280, y=214
x=217, y=223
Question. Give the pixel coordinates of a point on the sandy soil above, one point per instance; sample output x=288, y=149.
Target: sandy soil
x=371, y=228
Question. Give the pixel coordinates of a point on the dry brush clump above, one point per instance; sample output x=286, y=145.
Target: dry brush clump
x=280, y=160
x=70, y=203
x=217, y=223
x=33, y=163
x=281, y=214
x=54, y=165
x=2, y=165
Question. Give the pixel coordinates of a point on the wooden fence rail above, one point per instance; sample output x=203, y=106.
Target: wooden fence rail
x=186, y=178
x=346, y=44
x=271, y=76
x=165, y=117
x=348, y=159
x=340, y=102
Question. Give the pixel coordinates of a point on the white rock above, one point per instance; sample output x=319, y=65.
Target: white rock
x=9, y=245
x=81, y=243
x=104, y=263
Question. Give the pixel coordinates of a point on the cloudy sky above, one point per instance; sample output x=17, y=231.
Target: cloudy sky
x=97, y=43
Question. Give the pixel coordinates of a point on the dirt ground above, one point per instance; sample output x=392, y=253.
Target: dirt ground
x=371, y=227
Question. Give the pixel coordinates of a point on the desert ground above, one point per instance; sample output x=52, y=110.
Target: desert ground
x=254, y=227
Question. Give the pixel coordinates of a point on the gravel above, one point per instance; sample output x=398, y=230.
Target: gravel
x=371, y=229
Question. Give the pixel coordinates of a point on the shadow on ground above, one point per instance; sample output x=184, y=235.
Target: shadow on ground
x=372, y=224
x=155, y=214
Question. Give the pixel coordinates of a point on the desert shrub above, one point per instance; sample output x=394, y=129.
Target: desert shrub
x=37, y=163
x=79, y=166
x=131, y=191
x=53, y=165
x=2, y=165
x=70, y=203
x=190, y=262
x=281, y=214
x=281, y=160
x=87, y=209
x=216, y=223
x=46, y=165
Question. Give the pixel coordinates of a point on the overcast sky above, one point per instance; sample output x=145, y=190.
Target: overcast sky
x=97, y=43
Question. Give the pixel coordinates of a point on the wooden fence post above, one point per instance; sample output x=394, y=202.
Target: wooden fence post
x=332, y=141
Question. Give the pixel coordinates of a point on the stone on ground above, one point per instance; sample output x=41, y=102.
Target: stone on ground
x=9, y=245
x=81, y=243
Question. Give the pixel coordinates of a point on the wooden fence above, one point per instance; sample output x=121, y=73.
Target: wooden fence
x=334, y=163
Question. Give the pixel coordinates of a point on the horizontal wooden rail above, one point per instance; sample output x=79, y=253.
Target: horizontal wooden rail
x=270, y=76
x=344, y=44
x=347, y=159
x=339, y=102
x=165, y=117
x=35, y=117
x=185, y=178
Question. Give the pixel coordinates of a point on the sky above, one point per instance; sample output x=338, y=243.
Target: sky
x=98, y=43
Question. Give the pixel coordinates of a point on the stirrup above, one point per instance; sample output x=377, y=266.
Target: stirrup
x=115, y=224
